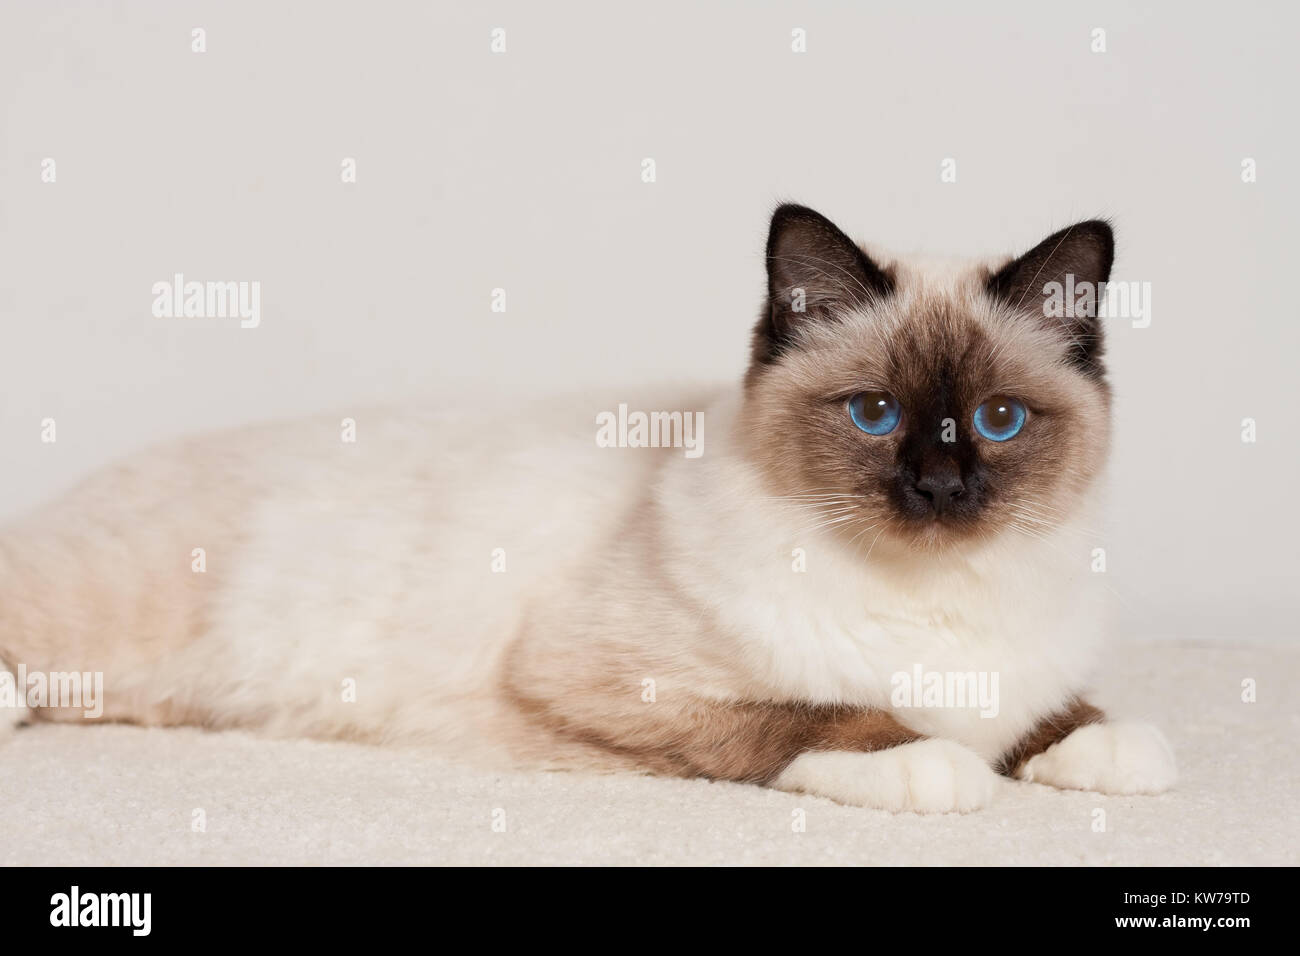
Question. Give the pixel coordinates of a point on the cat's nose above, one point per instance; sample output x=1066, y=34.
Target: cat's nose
x=940, y=487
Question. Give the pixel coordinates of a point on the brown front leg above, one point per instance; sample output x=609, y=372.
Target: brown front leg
x=591, y=710
x=1077, y=750
x=754, y=742
x=1048, y=731
x=748, y=742
x=852, y=755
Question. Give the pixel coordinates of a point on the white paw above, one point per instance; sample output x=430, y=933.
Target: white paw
x=1123, y=757
x=928, y=776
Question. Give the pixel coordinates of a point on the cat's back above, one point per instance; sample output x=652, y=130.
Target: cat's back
x=392, y=547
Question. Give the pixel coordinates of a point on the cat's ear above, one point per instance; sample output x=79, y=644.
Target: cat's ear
x=814, y=271
x=1062, y=279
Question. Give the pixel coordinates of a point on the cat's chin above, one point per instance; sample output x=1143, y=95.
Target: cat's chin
x=940, y=535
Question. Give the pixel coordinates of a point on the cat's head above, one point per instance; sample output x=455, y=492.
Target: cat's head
x=932, y=406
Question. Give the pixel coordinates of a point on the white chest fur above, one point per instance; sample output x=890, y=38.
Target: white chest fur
x=998, y=638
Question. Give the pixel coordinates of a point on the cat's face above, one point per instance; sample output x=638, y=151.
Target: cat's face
x=930, y=407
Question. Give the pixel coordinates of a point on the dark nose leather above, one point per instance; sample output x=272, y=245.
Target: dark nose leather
x=939, y=487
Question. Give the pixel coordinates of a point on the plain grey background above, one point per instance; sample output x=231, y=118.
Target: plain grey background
x=522, y=171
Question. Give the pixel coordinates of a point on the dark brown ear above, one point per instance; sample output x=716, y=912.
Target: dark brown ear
x=814, y=272
x=1061, y=281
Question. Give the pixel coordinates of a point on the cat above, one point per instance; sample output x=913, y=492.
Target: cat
x=907, y=480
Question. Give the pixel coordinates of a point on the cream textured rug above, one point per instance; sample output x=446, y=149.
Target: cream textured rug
x=114, y=795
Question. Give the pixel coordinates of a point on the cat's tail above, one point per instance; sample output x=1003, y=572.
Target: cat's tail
x=103, y=589
x=14, y=712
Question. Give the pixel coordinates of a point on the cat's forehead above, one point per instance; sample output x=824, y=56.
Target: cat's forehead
x=939, y=326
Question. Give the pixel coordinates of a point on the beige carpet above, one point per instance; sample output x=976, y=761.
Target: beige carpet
x=123, y=795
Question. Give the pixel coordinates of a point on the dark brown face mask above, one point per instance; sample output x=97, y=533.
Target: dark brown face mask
x=943, y=412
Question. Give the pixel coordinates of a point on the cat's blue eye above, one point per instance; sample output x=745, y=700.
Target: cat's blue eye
x=1000, y=418
x=876, y=413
